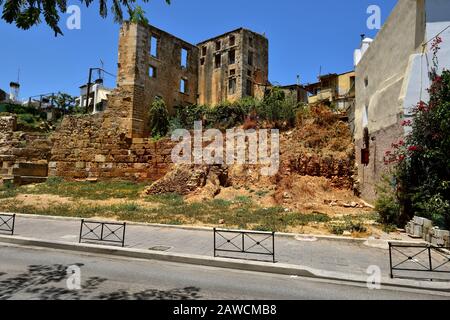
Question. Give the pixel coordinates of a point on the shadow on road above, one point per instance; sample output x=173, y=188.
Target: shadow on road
x=48, y=282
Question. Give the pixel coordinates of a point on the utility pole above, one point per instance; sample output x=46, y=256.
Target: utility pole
x=88, y=89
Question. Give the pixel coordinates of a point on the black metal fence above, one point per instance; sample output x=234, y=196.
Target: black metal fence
x=419, y=261
x=103, y=232
x=244, y=242
x=7, y=223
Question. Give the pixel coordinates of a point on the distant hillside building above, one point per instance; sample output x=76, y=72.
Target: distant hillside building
x=98, y=97
x=336, y=89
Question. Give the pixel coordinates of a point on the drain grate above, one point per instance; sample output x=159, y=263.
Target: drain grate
x=159, y=248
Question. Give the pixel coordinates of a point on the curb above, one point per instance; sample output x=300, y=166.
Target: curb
x=442, y=288
x=296, y=236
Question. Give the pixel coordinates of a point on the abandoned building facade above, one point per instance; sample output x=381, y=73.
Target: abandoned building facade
x=159, y=65
x=231, y=65
x=392, y=76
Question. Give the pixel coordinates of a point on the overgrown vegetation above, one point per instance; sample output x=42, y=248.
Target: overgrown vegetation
x=421, y=162
x=159, y=118
x=275, y=110
x=241, y=212
x=101, y=190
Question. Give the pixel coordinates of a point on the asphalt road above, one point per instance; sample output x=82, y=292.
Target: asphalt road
x=35, y=273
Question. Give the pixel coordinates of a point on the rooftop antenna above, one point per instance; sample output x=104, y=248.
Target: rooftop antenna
x=298, y=79
x=101, y=69
x=320, y=71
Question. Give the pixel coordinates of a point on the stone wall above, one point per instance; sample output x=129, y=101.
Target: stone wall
x=339, y=171
x=23, y=156
x=93, y=147
x=8, y=124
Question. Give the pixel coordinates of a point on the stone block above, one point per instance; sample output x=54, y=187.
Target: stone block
x=30, y=169
x=100, y=158
x=80, y=165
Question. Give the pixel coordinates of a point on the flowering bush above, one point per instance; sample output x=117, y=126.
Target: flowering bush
x=421, y=161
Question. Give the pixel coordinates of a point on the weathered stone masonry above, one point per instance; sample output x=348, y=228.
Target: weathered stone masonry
x=114, y=144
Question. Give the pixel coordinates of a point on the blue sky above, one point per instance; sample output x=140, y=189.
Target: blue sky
x=303, y=36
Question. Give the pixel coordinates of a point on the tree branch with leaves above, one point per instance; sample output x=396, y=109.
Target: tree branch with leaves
x=26, y=14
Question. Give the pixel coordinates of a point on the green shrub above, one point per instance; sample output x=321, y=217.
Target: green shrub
x=387, y=204
x=159, y=118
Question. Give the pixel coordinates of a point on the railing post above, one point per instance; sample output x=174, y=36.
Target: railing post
x=214, y=234
x=273, y=246
x=243, y=242
x=81, y=230
x=101, y=232
x=429, y=258
x=13, y=224
x=123, y=234
x=390, y=260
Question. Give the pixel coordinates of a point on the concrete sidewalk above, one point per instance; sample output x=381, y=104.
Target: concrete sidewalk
x=351, y=257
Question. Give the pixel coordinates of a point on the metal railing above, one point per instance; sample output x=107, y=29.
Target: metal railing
x=112, y=232
x=415, y=260
x=7, y=223
x=244, y=242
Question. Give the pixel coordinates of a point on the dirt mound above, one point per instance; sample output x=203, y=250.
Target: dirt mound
x=185, y=179
x=316, y=170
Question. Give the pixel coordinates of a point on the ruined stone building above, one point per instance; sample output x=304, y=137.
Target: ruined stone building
x=231, y=65
x=391, y=78
x=157, y=64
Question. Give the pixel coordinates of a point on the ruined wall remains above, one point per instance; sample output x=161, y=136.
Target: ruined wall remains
x=8, y=124
x=84, y=148
x=151, y=63
x=231, y=65
x=339, y=171
x=23, y=155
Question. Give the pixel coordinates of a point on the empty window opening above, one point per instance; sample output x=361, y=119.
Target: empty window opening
x=250, y=58
x=218, y=45
x=250, y=42
x=249, y=89
x=232, y=56
x=154, y=44
x=204, y=51
x=232, y=86
x=232, y=40
x=365, y=151
x=352, y=82
x=218, y=61
x=249, y=73
x=366, y=82
x=183, y=86
x=202, y=61
x=184, y=58
x=152, y=72
x=232, y=72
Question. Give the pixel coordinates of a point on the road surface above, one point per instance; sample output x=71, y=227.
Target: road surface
x=37, y=273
